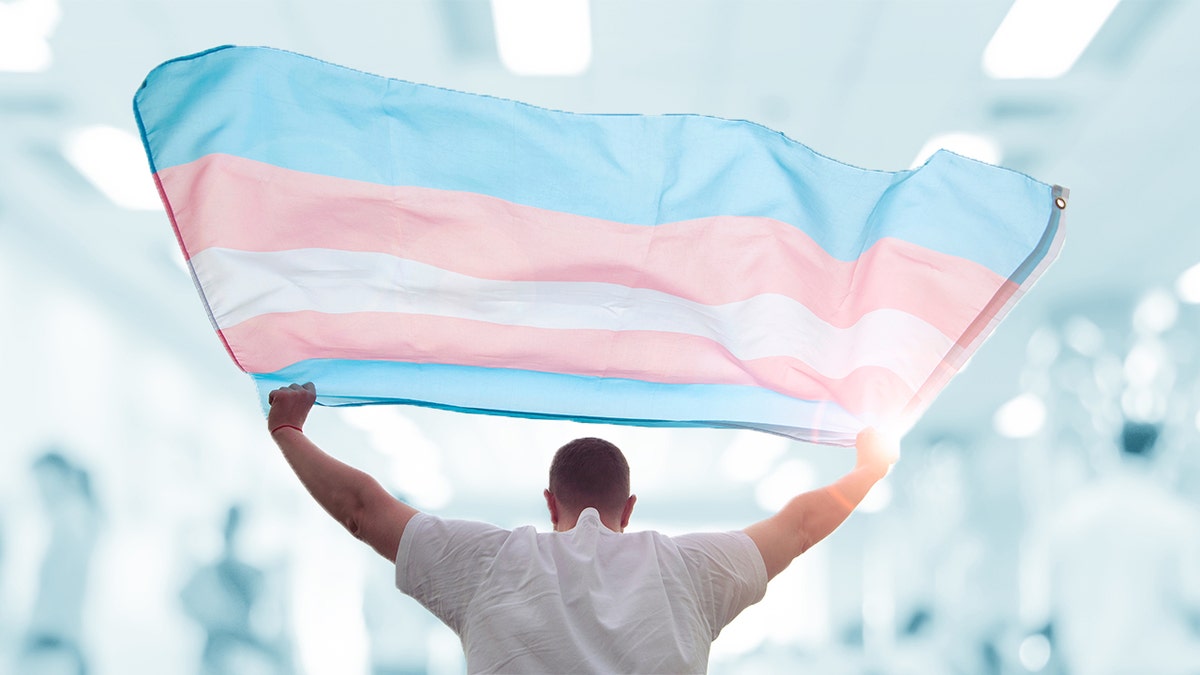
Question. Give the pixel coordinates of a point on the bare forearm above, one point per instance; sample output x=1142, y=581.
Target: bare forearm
x=336, y=486
x=810, y=517
x=824, y=510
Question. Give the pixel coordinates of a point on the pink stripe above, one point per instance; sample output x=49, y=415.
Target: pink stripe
x=966, y=345
x=227, y=201
x=162, y=194
x=270, y=342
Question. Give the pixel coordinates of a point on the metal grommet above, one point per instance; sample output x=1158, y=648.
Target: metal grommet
x=1060, y=202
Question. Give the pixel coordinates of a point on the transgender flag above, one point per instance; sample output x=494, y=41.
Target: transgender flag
x=399, y=243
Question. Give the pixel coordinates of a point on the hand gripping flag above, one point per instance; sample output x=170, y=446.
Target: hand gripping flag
x=400, y=243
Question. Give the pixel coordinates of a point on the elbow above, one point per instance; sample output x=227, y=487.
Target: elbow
x=803, y=537
x=802, y=543
x=353, y=525
x=352, y=515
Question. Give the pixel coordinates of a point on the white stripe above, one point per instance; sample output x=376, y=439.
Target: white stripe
x=240, y=285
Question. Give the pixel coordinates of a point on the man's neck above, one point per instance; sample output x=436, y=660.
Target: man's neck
x=568, y=521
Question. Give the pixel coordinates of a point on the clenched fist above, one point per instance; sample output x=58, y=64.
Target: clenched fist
x=876, y=451
x=290, y=405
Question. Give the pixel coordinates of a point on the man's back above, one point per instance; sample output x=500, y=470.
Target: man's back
x=588, y=599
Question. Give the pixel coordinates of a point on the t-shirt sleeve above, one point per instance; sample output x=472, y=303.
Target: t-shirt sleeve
x=728, y=573
x=440, y=563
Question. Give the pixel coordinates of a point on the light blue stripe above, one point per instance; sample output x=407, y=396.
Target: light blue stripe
x=521, y=393
x=299, y=113
x=1046, y=249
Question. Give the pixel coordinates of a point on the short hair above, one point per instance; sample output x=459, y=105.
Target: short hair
x=590, y=472
x=1138, y=438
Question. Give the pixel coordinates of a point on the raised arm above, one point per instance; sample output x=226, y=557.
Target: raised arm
x=353, y=498
x=812, y=516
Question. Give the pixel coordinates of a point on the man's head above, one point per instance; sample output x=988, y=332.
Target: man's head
x=589, y=472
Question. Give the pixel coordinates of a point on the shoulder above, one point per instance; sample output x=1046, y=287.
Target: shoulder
x=431, y=544
x=733, y=551
x=727, y=572
x=425, y=526
x=733, y=539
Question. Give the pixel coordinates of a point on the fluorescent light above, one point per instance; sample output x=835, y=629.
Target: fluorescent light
x=1022, y=417
x=1043, y=38
x=966, y=144
x=1187, y=286
x=112, y=159
x=25, y=29
x=543, y=37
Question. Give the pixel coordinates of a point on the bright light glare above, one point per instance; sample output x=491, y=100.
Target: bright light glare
x=112, y=159
x=1034, y=652
x=1041, y=39
x=1155, y=313
x=788, y=480
x=1187, y=286
x=543, y=37
x=1021, y=417
x=25, y=29
x=974, y=146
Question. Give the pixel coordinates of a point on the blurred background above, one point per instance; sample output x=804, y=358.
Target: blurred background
x=148, y=524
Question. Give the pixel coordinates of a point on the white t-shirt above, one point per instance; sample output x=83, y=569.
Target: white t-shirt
x=586, y=600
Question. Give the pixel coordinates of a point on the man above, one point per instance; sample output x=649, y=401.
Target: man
x=585, y=597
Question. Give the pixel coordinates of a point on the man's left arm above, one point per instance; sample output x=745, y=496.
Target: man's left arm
x=810, y=517
x=352, y=497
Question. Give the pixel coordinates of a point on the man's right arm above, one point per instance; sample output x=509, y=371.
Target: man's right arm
x=810, y=517
x=352, y=497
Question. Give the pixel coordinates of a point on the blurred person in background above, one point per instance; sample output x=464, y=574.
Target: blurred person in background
x=54, y=642
x=1124, y=571
x=585, y=597
x=222, y=597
